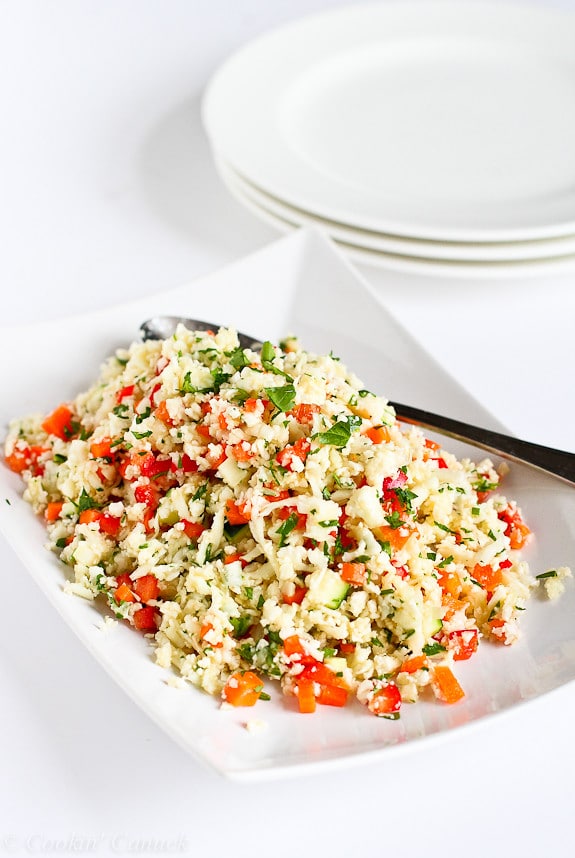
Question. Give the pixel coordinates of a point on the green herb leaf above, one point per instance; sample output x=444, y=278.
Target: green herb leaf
x=405, y=496
x=443, y=527
x=483, y=485
x=140, y=435
x=268, y=356
x=394, y=520
x=339, y=434
x=146, y=413
x=85, y=502
x=187, y=386
x=58, y=458
x=240, y=396
x=433, y=649
x=551, y=574
x=220, y=377
x=241, y=625
x=238, y=358
x=200, y=492
x=445, y=562
x=282, y=397
x=286, y=527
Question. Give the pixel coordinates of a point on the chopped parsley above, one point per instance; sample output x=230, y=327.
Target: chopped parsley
x=339, y=434
x=394, y=520
x=282, y=397
x=433, y=648
x=286, y=527
x=238, y=358
x=85, y=502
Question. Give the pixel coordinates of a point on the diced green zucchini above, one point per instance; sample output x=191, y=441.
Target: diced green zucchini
x=431, y=626
x=331, y=590
x=236, y=533
x=168, y=516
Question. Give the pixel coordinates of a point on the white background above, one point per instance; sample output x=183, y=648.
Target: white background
x=107, y=192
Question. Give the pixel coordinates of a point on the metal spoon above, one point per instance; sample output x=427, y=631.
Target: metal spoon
x=556, y=462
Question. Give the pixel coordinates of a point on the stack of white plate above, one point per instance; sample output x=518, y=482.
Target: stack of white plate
x=431, y=137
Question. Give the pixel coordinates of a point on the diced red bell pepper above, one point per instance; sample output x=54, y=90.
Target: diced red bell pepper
x=146, y=587
x=125, y=392
x=124, y=594
x=296, y=597
x=516, y=529
x=445, y=686
x=193, y=529
x=152, y=466
x=284, y=513
x=243, y=689
x=354, y=573
x=304, y=412
x=395, y=482
x=306, y=696
x=110, y=524
x=241, y=452
x=299, y=450
x=60, y=423
x=101, y=449
x=188, y=465
x=330, y=695
x=236, y=513
x=463, y=643
x=53, y=510
x=146, y=619
x=318, y=672
x=411, y=665
x=386, y=700
x=487, y=576
x=163, y=414
x=147, y=495
x=378, y=434
x=293, y=646
x=204, y=431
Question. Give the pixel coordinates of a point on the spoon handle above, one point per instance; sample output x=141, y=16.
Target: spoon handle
x=557, y=462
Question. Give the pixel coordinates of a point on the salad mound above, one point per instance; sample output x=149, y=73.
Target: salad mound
x=262, y=515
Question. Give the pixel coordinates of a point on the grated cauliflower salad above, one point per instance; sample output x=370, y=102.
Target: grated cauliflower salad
x=264, y=516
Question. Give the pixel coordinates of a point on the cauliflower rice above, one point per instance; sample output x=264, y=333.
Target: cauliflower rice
x=263, y=515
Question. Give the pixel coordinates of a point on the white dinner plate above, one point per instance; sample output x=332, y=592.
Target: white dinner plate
x=454, y=251
x=297, y=284
x=445, y=121
x=419, y=265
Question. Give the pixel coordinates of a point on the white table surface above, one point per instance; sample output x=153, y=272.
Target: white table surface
x=107, y=192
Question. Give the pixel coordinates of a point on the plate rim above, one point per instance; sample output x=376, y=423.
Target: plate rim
x=215, y=93
x=250, y=770
x=554, y=247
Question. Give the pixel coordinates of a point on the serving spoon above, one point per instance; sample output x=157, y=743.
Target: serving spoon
x=556, y=462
